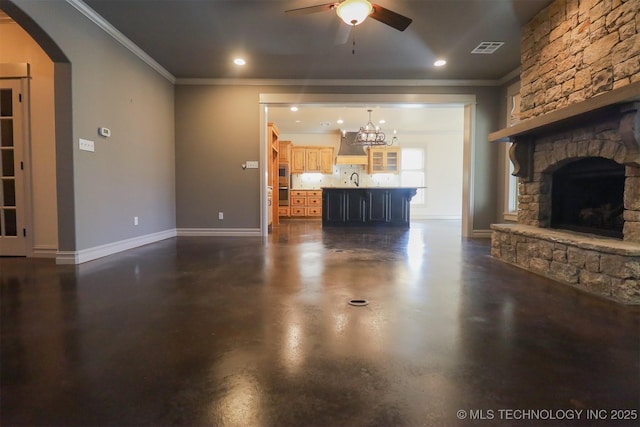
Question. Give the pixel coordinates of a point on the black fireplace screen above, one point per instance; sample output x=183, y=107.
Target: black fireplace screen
x=588, y=196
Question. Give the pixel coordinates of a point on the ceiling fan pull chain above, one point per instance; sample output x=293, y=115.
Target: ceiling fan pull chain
x=353, y=32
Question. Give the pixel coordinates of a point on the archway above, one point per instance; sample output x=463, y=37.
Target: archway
x=63, y=124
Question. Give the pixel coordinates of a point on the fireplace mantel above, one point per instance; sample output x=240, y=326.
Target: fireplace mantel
x=622, y=104
x=565, y=116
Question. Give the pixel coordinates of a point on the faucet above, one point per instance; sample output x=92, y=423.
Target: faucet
x=357, y=181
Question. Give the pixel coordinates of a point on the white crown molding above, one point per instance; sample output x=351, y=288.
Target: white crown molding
x=334, y=82
x=120, y=38
x=510, y=76
x=341, y=99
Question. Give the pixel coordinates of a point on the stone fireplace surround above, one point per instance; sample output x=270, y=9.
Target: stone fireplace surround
x=606, y=126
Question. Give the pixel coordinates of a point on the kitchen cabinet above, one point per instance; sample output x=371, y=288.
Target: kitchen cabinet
x=270, y=205
x=306, y=203
x=384, y=160
x=326, y=160
x=273, y=148
x=311, y=159
x=285, y=151
x=283, y=210
x=298, y=159
x=367, y=206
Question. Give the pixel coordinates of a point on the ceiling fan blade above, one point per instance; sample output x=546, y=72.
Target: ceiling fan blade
x=389, y=17
x=311, y=9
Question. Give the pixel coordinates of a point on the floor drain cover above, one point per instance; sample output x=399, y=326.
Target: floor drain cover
x=358, y=302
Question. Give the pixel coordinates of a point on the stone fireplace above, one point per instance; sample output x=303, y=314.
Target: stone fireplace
x=579, y=196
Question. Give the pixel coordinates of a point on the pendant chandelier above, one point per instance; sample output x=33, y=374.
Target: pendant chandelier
x=370, y=134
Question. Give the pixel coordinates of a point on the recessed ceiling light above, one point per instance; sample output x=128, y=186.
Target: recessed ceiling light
x=382, y=121
x=294, y=108
x=340, y=121
x=239, y=61
x=440, y=63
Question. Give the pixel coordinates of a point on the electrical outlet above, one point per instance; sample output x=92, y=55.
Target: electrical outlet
x=135, y=220
x=220, y=216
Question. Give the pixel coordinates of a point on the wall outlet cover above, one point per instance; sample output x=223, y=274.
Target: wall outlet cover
x=86, y=145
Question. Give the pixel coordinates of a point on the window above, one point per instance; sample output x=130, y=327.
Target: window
x=412, y=172
x=511, y=182
x=511, y=190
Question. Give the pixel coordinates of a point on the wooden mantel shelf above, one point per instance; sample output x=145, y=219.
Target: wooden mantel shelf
x=623, y=95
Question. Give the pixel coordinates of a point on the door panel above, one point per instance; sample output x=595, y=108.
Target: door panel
x=12, y=240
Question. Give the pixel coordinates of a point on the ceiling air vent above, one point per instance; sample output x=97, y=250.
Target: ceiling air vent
x=487, y=48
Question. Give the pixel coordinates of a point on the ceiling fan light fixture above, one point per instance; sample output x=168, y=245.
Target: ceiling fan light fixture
x=354, y=12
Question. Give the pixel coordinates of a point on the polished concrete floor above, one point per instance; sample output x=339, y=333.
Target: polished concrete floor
x=246, y=332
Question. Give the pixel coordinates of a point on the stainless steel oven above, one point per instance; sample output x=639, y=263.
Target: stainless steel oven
x=284, y=180
x=283, y=175
x=283, y=196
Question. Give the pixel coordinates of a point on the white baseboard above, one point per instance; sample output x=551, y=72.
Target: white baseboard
x=85, y=255
x=44, y=251
x=481, y=234
x=219, y=232
x=447, y=217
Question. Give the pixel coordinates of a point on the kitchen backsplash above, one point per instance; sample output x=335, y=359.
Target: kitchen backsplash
x=341, y=178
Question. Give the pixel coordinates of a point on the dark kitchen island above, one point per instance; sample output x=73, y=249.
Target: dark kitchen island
x=372, y=206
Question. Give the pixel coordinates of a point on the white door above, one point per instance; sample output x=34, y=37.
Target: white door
x=12, y=231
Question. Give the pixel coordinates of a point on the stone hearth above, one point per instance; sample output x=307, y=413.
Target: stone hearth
x=607, y=128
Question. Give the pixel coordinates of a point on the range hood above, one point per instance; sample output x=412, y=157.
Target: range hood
x=350, y=154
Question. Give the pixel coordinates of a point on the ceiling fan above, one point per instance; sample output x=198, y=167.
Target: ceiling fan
x=354, y=12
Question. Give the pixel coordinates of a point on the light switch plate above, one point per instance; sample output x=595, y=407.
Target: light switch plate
x=252, y=164
x=86, y=145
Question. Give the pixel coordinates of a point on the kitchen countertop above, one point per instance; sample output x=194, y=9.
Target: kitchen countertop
x=369, y=188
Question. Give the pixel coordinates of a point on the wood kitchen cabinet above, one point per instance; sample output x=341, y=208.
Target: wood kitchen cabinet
x=273, y=148
x=298, y=159
x=384, y=160
x=326, y=160
x=285, y=151
x=305, y=203
x=283, y=210
x=311, y=159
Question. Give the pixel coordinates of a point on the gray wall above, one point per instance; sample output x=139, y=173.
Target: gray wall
x=218, y=128
x=139, y=171
x=133, y=172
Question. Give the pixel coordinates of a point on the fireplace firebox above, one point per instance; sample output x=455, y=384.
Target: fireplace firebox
x=588, y=196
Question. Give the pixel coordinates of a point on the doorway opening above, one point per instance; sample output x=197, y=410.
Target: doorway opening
x=270, y=103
